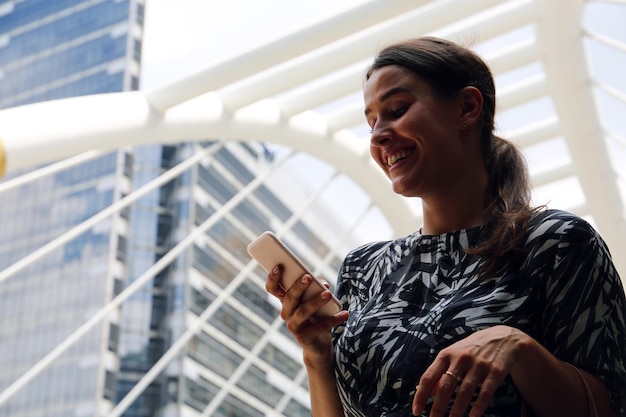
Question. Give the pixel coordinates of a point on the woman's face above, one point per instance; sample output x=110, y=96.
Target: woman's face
x=415, y=138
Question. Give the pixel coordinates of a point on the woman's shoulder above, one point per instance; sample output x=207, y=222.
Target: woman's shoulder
x=379, y=252
x=559, y=225
x=559, y=237
x=369, y=251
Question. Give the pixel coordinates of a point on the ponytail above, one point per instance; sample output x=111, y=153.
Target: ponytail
x=509, y=211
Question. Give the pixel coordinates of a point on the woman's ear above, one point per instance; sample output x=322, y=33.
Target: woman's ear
x=470, y=107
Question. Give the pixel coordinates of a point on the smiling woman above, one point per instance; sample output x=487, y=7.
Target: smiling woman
x=485, y=309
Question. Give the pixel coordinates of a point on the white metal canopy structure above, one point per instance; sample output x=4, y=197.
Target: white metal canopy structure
x=281, y=92
x=554, y=74
x=274, y=93
x=278, y=92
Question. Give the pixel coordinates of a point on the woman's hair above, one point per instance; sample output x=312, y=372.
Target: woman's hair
x=449, y=68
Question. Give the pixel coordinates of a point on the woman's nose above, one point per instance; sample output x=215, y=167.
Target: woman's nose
x=380, y=135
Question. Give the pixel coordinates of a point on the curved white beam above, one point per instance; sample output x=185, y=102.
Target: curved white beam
x=281, y=50
x=53, y=130
x=522, y=92
x=71, y=126
x=536, y=132
x=271, y=68
x=513, y=56
x=568, y=79
x=29, y=133
x=346, y=53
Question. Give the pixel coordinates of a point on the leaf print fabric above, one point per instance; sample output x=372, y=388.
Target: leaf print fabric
x=411, y=297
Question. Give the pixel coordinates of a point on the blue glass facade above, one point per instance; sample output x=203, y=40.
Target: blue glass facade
x=52, y=50
x=56, y=49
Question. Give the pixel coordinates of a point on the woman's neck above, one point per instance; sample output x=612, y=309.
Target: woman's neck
x=455, y=210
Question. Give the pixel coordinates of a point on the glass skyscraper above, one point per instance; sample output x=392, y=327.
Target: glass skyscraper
x=53, y=50
x=240, y=361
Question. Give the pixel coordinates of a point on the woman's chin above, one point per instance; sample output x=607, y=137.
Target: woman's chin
x=399, y=187
x=404, y=188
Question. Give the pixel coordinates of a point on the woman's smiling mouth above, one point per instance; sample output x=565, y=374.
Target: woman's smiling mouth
x=402, y=154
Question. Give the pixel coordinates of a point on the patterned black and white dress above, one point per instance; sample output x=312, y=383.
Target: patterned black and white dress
x=411, y=297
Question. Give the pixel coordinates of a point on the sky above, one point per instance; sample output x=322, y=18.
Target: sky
x=182, y=35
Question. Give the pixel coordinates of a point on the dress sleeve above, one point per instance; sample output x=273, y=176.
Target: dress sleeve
x=584, y=307
x=347, y=287
x=356, y=274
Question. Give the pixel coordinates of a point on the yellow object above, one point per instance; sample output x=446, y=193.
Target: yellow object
x=3, y=158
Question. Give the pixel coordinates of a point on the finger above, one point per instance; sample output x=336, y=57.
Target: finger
x=309, y=333
x=272, y=283
x=464, y=395
x=447, y=386
x=305, y=327
x=307, y=309
x=293, y=297
x=418, y=406
x=324, y=282
x=428, y=385
x=487, y=391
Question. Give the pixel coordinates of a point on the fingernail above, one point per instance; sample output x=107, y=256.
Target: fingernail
x=304, y=279
x=325, y=295
x=275, y=270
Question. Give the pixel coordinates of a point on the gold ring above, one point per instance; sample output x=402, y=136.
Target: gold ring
x=458, y=378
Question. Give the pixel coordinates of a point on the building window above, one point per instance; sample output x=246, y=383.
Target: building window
x=114, y=337
x=109, y=386
x=141, y=12
x=122, y=245
x=137, y=50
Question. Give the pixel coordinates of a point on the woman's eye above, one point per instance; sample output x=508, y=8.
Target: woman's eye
x=399, y=112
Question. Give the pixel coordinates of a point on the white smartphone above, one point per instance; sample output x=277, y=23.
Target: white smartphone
x=269, y=251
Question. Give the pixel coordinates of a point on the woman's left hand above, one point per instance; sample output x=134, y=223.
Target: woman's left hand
x=481, y=362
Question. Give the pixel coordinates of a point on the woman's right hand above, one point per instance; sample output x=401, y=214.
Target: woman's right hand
x=312, y=333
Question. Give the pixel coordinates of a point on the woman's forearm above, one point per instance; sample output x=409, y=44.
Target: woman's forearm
x=325, y=400
x=553, y=388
